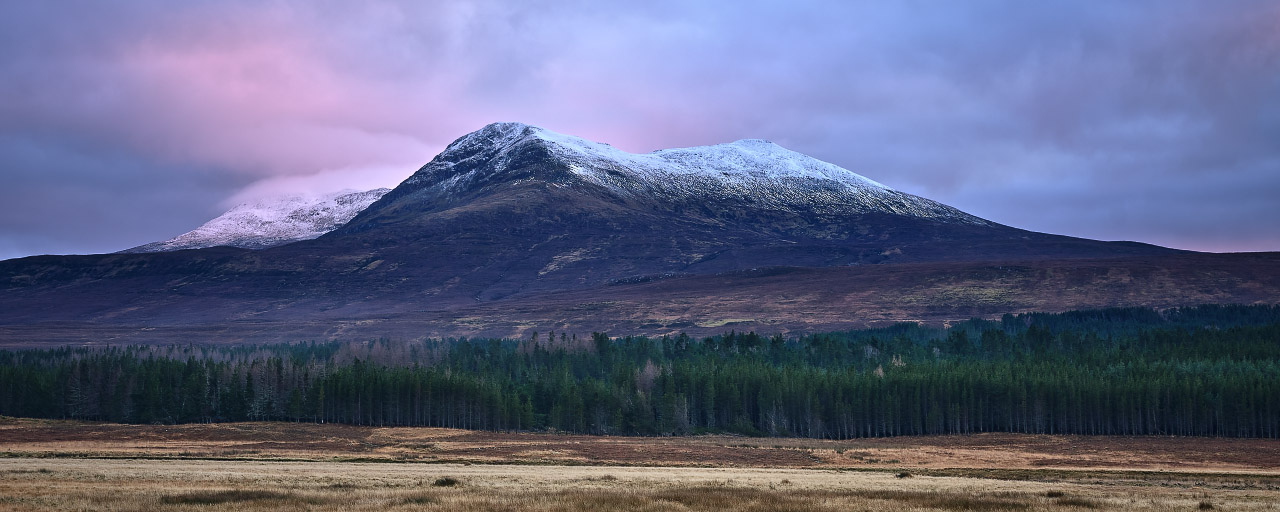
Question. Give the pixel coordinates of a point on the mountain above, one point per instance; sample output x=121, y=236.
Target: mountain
x=513, y=208
x=755, y=173
x=515, y=228
x=272, y=222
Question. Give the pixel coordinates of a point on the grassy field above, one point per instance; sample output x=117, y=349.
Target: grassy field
x=105, y=484
x=55, y=465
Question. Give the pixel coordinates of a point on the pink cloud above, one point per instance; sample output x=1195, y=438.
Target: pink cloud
x=259, y=100
x=237, y=98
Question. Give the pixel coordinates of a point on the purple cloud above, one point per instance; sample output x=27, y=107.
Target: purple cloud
x=1154, y=121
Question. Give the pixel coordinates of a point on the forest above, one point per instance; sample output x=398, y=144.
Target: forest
x=1199, y=371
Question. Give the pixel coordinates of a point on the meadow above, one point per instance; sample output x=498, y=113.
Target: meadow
x=69, y=465
x=130, y=484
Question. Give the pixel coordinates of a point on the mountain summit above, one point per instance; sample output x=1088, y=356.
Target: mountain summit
x=528, y=209
x=271, y=222
x=746, y=174
x=514, y=227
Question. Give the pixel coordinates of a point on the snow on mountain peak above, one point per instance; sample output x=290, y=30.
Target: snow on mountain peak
x=752, y=170
x=271, y=222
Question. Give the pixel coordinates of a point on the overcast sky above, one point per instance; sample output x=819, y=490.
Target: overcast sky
x=129, y=122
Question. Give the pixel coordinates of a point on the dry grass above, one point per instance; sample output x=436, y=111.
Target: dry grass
x=306, y=441
x=177, y=485
x=58, y=465
x=227, y=496
x=1077, y=503
x=446, y=481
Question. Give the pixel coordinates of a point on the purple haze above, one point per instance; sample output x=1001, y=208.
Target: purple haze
x=129, y=122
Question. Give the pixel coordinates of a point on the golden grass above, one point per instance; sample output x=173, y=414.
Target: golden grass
x=62, y=465
x=178, y=485
x=307, y=441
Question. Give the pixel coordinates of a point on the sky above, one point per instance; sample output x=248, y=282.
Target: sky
x=128, y=122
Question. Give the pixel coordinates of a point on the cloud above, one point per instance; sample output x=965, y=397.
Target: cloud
x=1151, y=121
x=59, y=198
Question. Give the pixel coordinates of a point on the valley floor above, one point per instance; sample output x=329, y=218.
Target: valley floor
x=60, y=465
x=106, y=484
x=282, y=441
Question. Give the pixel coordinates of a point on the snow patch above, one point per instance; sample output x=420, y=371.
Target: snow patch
x=272, y=222
x=753, y=170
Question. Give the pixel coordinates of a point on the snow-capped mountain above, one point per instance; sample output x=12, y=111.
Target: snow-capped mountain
x=514, y=227
x=268, y=223
x=757, y=172
x=512, y=208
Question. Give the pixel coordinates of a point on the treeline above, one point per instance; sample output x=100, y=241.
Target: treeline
x=1207, y=371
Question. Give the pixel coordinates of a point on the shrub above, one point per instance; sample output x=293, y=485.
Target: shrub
x=1077, y=502
x=420, y=499
x=447, y=481
x=226, y=496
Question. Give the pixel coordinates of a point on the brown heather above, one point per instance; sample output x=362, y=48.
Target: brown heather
x=211, y=485
x=60, y=465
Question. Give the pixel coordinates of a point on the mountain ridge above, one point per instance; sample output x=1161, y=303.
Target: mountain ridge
x=514, y=228
x=756, y=172
x=537, y=210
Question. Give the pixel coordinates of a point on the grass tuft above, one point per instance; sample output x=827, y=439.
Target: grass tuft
x=43, y=471
x=420, y=499
x=1077, y=502
x=1206, y=505
x=945, y=501
x=447, y=481
x=224, y=496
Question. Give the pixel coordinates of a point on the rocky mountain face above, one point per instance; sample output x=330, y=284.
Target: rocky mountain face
x=272, y=222
x=515, y=228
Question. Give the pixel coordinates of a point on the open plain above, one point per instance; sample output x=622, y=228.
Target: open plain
x=66, y=465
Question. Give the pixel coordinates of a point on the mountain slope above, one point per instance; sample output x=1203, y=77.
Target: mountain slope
x=754, y=172
x=272, y=222
x=515, y=209
x=513, y=228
